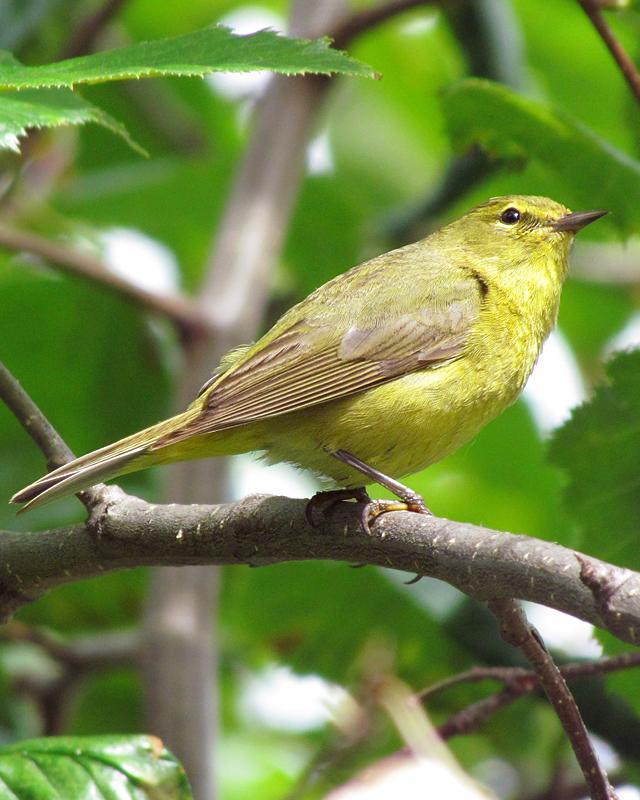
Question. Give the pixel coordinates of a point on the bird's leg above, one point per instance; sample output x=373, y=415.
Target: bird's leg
x=409, y=500
x=323, y=502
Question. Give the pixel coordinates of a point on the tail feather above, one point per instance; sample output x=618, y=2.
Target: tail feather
x=100, y=465
x=73, y=478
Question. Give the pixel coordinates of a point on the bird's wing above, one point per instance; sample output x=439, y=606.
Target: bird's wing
x=309, y=363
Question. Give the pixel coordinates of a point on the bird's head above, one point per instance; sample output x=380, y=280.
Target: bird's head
x=530, y=219
x=517, y=230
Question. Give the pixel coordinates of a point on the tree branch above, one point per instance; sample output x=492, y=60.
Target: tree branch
x=186, y=314
x=593, y=9
x=260, y=530
x=517, y=631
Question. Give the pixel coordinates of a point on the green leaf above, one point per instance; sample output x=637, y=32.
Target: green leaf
x=47, y=108
x=595, y=174
x=110, y=767
x=599, y=447
x=44, y=98
x=213, y=49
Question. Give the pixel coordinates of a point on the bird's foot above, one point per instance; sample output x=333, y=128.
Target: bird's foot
x=375, y=508
x=408, y=500
x=323, y=503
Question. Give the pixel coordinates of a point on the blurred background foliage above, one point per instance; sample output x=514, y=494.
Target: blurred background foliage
x=390, y=161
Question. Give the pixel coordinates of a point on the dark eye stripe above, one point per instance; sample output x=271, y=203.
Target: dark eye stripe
x=510, y=216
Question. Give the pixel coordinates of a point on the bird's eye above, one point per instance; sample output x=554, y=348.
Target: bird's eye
x=510, y=216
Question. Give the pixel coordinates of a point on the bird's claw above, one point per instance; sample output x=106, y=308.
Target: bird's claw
x=323, y=503
x=375, y=508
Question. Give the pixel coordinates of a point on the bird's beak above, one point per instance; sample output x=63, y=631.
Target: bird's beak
x=577, y=220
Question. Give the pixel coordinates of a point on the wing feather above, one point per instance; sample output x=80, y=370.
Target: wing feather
x=308, y=363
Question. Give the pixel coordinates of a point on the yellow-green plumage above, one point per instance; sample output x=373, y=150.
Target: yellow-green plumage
x=398, y=361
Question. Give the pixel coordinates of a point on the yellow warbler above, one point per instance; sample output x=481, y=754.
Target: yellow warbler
x=382, y=371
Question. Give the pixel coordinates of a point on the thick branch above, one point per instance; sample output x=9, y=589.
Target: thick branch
x=518, y=632
x=184, y=313
x=593, y=9
x=262, y=530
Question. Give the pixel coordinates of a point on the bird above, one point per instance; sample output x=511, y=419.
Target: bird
x=380, y=372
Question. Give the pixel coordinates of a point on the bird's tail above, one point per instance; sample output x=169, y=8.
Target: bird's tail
x=126, y=455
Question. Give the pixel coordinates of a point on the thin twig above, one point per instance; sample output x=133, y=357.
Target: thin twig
x=516, y=630
x=505, y=675
x=518, y=683
x=367, y=18
x=518, y=677
x=472, y=717
x=41, y=430
x=600, y=666
x=33, y=420
x=593, y=9
x=186, y=314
